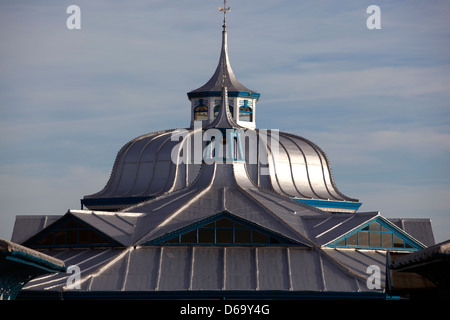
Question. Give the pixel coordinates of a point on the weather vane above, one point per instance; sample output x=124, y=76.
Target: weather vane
x=225, y=9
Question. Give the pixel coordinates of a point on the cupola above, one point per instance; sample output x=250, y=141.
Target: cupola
x=206, y=101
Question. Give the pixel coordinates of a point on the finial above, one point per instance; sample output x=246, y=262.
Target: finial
x=225, y=9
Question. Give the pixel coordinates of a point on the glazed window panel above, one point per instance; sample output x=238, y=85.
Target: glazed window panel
x=245, y=114
x=398, y=242
x=375, y=226
x=273, y=240
x=260, y=238
x=174, y=240
x=84, y=236
x=363, y=238
x=243, y=236
x=224, y=236
x=95, y=238
x=201, y=113
x=224, y=223
x=387, y=239
x=352, y=240
x=375, y=239
x=72, y=236
x=206, y=235
x=58, y=236
x=190, y=237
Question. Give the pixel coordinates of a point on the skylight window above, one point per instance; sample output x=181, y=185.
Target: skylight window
x=201, y=113
x=245, y=114
x=223, y=231
x=69, y=233
x=376, y=235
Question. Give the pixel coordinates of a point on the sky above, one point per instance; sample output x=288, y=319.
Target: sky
x=376, y=101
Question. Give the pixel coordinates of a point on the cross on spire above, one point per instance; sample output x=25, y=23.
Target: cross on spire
x=224, y=9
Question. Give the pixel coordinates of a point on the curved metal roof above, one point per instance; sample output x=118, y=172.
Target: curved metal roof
x=144, y=169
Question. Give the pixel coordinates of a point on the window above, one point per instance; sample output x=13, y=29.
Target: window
x=224, y=231
x=246, y=110
x=377, y=234
x=70, y=233
x=201, y=113
x=245, y=114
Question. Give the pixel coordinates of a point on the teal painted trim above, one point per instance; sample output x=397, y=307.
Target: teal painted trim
x=241, y=94
x=23, y=258
x=330, y=203
x=393, y=297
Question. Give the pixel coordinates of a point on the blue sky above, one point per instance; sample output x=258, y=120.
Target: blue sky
x=376, y=101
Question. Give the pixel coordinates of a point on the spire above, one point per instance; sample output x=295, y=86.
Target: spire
x=223, y=75
x=224, y=52
x=224, y=118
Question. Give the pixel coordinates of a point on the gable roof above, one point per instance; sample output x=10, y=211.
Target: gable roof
x=420, y=229
x=119, y=226
x=71, y=231
x=26, y=226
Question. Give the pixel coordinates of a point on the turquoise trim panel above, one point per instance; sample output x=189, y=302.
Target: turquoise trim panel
x=330, y=204
x=37, y=263
x=242, y=94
